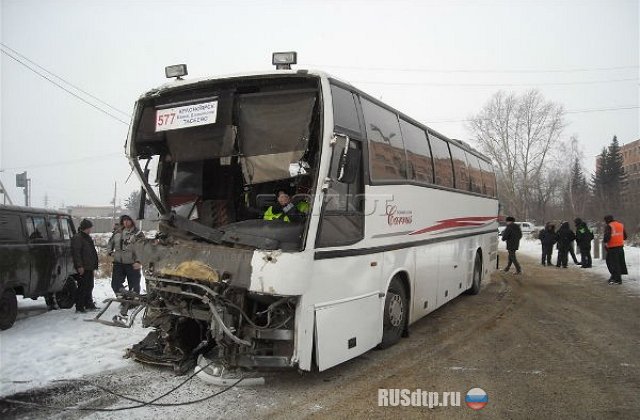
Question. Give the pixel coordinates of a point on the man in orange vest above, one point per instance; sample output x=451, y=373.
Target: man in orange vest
x=614, y=237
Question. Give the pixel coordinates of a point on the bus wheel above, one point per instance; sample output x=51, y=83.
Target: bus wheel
x=394, y=318
x=66, y=298
x=8, y=309
x=477, y=276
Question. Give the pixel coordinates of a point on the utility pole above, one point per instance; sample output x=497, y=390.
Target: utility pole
x=22, y=181
x=115, y=189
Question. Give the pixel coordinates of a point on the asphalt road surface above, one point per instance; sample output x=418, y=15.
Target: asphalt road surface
x=554, y=343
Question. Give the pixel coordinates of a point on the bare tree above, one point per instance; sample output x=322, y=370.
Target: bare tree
x=519, y=132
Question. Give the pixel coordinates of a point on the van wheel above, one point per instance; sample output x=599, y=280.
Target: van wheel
x=477, y=276
x=66, y=298
x=394, y=319
x=8, y=309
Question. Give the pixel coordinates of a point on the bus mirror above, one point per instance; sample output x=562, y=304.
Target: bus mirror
x=349, y=165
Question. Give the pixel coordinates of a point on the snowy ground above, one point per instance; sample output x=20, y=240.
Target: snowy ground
x=45, y=346
x=632, y=255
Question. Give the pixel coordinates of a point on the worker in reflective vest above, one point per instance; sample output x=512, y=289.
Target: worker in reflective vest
x=285, y=210
x=614, y=237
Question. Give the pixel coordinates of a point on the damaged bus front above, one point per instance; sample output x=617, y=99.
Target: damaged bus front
x=222, y=280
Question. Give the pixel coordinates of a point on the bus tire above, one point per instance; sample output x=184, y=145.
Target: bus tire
x=477, y=276
x=66, y=298
x=8, y=309
x=394, y=318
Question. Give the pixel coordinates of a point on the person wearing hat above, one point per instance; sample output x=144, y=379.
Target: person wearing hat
x=512, y=235
x=285, y=210
x=126, y=265
x=614, y=237
x=584, y=236
x=85, y=261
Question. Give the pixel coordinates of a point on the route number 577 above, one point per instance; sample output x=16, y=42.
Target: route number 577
x=165, y=119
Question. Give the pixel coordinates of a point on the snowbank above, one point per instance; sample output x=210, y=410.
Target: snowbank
x=44, y=346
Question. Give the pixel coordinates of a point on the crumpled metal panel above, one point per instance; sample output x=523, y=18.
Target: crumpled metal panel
x=169, y=257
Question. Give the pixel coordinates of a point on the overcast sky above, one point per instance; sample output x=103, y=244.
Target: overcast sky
x=437, y=61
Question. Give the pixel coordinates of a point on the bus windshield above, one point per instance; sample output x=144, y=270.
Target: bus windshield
x=225, y=150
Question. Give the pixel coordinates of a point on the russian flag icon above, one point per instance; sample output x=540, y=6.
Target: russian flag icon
x=476, y=399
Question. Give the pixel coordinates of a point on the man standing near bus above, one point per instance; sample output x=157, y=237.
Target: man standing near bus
x=614, y=237
x=85, y=260
x=512, y=235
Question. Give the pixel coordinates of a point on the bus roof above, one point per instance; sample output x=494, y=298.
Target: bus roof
x=177, y=83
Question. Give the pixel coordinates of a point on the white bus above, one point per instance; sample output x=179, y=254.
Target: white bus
x=396, y=220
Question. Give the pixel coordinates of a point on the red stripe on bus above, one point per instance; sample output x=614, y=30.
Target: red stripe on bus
x=457, y=222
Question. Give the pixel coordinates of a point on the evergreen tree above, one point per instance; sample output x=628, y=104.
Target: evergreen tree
x=600, y=180
x=578, y=189
x=609, y=180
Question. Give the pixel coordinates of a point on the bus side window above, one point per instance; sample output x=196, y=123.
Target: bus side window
x=342, y=220
x=441, y=161
x=420, y=165
x=345, y=113
x=461, y=174
x=488, y=179
x=386, y=149
x=475, y=173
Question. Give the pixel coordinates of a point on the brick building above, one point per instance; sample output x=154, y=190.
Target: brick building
x=631, y=165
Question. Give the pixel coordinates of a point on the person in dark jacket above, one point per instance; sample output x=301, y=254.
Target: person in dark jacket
x=614, y=237
x=548, y=239
x=565, y=239
x=85, y=261
x=584, y=236
x=512, y=235
x=126, y=265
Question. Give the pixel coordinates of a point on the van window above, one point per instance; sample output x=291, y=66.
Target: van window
x=65, y=228
x=36, y=228
x=386, y=151
x=10, y=228
x=54, y=228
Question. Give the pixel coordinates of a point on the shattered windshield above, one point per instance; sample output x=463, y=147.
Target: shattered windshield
x=227, y=152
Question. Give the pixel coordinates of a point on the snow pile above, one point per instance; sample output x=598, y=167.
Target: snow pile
x=44, y=346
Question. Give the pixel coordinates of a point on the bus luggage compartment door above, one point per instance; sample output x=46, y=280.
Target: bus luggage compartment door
x=347, y=328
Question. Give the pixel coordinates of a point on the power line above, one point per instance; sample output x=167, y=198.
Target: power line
x=63, y=79
x=590, y=82
x=65, y=162
x=64, y=88
x=426, y=70
x=577, y=111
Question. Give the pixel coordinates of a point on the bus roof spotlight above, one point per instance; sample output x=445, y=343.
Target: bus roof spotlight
x=177, y=70
x=284, y=60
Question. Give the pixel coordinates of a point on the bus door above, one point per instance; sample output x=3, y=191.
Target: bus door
x=348, y=312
